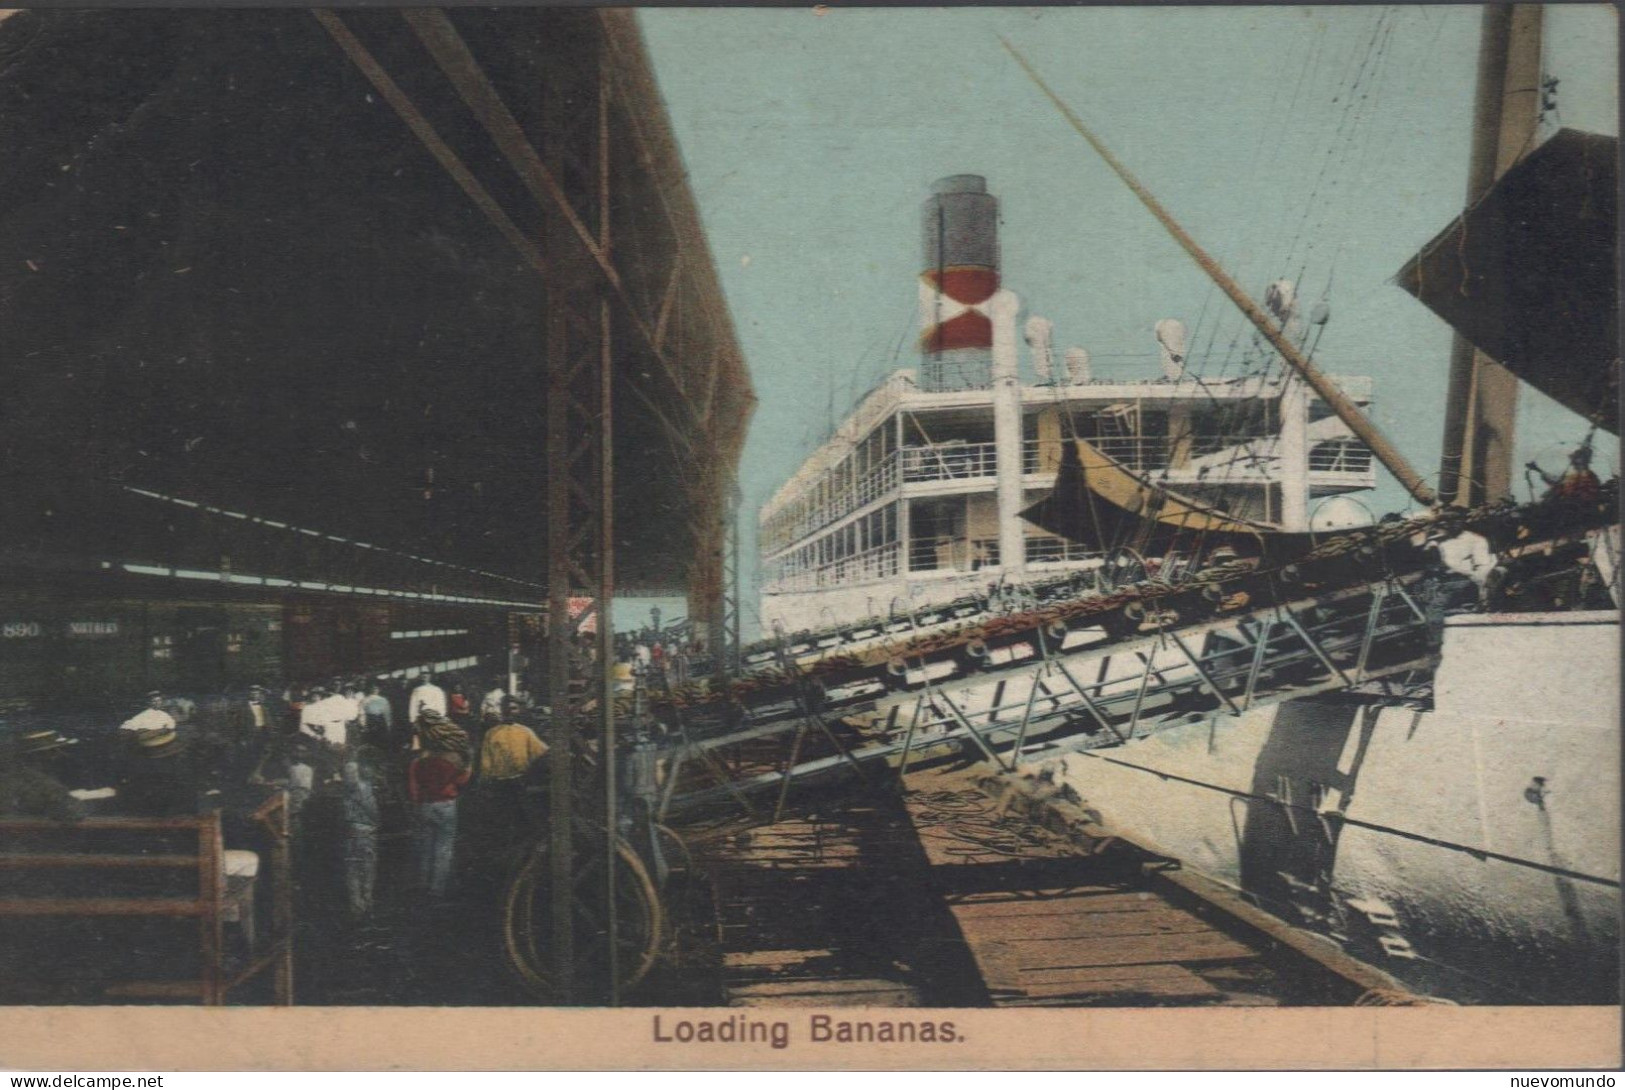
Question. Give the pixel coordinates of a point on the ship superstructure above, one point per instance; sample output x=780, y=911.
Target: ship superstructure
x=914, y=500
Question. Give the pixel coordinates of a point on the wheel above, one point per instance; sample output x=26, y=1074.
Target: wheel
x=528, y=921
x=678, y=888
x=679, y=860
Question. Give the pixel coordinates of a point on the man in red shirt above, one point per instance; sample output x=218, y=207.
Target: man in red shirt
x=433, y=782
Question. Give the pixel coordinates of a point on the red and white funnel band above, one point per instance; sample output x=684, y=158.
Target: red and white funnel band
x=964, y=283
x=956, y=316
x=970, y=329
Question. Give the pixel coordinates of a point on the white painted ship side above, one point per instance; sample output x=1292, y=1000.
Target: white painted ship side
x=1472, y=849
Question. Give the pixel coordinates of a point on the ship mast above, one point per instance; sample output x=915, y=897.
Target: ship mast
x=1481, y=405
x=1384, y=451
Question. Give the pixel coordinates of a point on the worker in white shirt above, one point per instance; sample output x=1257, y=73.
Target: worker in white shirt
x=427, y=696
x=153, y=717
x=352, y=695
x=1469, y=554
x=491, y=703
x=328, y=717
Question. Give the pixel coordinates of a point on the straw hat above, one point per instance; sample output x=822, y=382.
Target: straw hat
x=33, y=742
x=163, y=742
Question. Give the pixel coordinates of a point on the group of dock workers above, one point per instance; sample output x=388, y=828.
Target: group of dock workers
x=351, y=774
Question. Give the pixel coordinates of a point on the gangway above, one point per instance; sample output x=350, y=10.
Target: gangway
x=1078, y=683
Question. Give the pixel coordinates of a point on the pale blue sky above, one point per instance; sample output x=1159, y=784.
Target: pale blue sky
x=1331, y=141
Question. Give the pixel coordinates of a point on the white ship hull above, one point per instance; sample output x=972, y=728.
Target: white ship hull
x=1472, y=850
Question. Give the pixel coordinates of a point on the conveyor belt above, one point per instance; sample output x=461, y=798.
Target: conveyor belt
x=1081, y=684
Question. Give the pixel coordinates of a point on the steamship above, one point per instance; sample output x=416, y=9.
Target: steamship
x=1458, y=829
x=914, y=501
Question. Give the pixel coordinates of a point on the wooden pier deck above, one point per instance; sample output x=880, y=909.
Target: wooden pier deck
x=831, y=909
x=1048, y=926
x=941, y=895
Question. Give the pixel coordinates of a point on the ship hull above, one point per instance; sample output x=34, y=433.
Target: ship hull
x=1471, y=849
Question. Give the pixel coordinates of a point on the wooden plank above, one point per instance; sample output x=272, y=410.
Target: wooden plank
x=826, y=993
x=1067, y=955
x=781, y=859
x=1173, y=983
x=1122, y=993
x=21, y=860
x=155, y=989
x=1009, y=961
x=1110, y=974
x=1031, y=893
x=825, y=986
x=107, y=824
x=749, y=852
x=1314, y=948
x=746, y=958
x=103, y=906
x=808, y=858
x=790, y=970
x=1064, y=914
x=278, y=951
x=1113, y=901
x=899, y=998
x=1249, y=999
x=1090, y=926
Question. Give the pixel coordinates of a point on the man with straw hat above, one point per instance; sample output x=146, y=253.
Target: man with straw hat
x=152, y=717
x=162, y=781
x=27, y=787
x=433, y=782
x=159, y=779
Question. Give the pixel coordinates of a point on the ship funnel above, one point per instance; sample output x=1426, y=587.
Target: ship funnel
x=1171, y=340
x=960, y=229
x=1077, y=366
x=1040, y=334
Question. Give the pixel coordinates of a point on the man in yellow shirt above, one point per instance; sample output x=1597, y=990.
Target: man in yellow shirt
x=508, y=813
x=510, y=748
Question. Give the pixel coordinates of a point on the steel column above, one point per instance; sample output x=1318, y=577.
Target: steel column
x=976, y=735
x=1260, y=649
x=1088, y=704
x=1319, y=652
x=606, y=544
x=559, y=643
x=1379, y=595
x=733, y=602
x=1207, y=679
x=580, y=485
x=908, y=740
